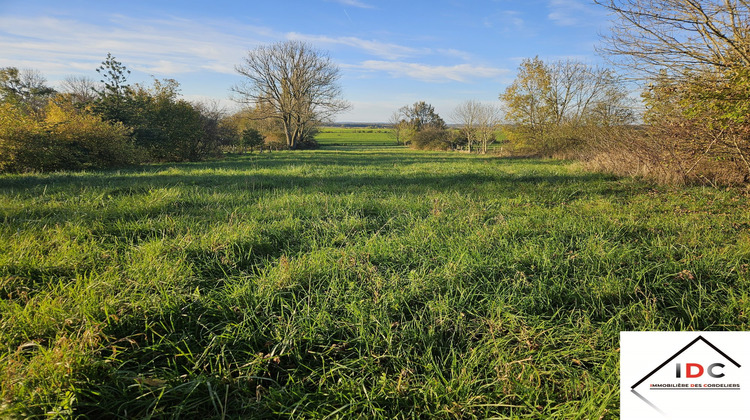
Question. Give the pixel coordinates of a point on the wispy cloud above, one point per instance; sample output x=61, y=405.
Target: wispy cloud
x=354, y=3
x=162, y=47
x=429, y=73
x=450, y=52
x=572, y=13
x=386, y=50
x=377, y=48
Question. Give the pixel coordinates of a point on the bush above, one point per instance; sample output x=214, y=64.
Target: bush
x=22, y=140
x=275, y=141
x=696, y=132
x=431, y=139
x=65, y=139
x=170, y=129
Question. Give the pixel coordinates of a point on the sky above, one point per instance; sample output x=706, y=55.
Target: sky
x=390, y=53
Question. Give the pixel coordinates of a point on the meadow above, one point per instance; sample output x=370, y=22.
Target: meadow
x=355, y=136
x=376, y=282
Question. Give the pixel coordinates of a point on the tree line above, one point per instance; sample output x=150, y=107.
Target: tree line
x=93, y=125
x=692, y=61
x=548, y=109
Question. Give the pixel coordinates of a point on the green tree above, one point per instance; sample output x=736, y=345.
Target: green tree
x=25, y=88
x=251, y=138
x=422, y=115
x=171, y=129
x=412, y=119
x=113, y=100
x=114, y=77
x=167, y=127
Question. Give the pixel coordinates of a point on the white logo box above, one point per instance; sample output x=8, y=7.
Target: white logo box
x=684, y=375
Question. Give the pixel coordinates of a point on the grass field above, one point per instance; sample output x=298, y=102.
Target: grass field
x=359, y=136
x=344, y=282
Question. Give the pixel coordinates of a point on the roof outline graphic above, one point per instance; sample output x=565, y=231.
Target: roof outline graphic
x=699, y=338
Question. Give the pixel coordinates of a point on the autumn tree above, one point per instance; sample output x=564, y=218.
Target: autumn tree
x=695, y=57
x=398, y=127
x=293, y=83
x=549, y=103
x=61, y=137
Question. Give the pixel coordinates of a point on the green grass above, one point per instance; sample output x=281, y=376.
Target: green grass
x=360, y=136
x=345, y=282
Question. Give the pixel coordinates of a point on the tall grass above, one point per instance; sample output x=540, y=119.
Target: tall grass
x=337, y=283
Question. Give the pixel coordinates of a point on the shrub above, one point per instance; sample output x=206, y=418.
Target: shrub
x=696, y=132
x=65, y=138
x=251, y=138
x=431, y=139
x=275, y=141
x=22, y=140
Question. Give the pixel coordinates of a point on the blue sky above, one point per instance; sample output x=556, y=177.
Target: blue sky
x=391, y=53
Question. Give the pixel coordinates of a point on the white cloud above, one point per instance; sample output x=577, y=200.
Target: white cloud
x=224, y=104
x=162, y=47
x=166, y=67
x=463, y=55
x=429, y=73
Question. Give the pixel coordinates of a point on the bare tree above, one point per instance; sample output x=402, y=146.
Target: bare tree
x=293, y=83
x=398, y=126
x=466, y=114
x=678, y=37
x=478, y=123
x=488, y=121
x=82, y=89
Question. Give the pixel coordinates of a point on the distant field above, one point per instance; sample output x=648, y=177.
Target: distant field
x=358, y=136
x=351, y=282
x=345, y=136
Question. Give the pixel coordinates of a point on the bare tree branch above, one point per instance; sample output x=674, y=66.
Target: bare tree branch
x=292, y=83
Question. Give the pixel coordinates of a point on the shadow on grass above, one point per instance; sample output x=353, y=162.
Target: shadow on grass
x=423, y=170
